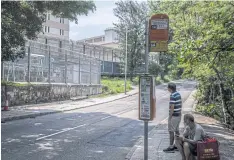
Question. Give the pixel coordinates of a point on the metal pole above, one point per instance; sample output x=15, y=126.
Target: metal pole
x=145, y=140
x=100, y=70
x=146, y=71
x=13, y=71
x=112, y=67
x=79, y=70
x=126, y=58
x=107, y=57
x=146, y=45
x=94, y=52
x=90, y=70
x=84, y=49
x=49, y=78
x=8, y=70
x=66, y=67
x=29, y=63
x=2, y=65
x=103, y=62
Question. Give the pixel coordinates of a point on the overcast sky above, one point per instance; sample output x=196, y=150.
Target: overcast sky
x=95, y=23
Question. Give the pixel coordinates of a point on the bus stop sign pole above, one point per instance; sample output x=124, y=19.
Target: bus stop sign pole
x=147, y=108
x=145, y=140
x=158, y=30
x=146, y=71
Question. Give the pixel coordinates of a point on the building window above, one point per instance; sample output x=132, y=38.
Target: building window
x=98, y=39
x=62, y=20
x=60, y=44
x=48, y=16
x=61, y=32
x=47, y=29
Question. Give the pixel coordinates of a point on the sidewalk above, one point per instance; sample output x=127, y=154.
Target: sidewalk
x=159, y=138
x=32, y=111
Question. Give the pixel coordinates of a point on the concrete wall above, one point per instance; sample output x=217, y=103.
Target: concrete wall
x=41, y=93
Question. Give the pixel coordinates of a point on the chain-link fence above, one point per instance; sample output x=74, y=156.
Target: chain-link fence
x=110, y=58
x=50, y=64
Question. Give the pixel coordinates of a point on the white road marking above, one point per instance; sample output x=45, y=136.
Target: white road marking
x=106, y=117
x=37, y=124
x=68, y=129
x=60, y=132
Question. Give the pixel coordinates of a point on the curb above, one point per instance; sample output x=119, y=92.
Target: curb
x=140, y=141
x=34, y=115
x=78, y=98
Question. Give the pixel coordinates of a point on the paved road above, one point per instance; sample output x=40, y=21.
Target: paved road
x=102, y=132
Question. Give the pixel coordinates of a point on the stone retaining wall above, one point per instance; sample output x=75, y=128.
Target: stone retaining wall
x=41, y=93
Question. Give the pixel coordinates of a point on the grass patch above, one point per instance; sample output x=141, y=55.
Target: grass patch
x=114, y=86
x=14, y=84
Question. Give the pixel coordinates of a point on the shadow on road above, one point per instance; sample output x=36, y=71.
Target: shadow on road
x=96, y=135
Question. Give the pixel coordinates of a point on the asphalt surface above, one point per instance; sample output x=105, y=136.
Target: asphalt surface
x=103, y=132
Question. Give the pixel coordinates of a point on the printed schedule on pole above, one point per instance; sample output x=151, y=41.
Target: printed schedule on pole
x=159, y=24
x=145, y=95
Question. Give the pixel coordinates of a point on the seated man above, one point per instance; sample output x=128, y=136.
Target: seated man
x=187, y=143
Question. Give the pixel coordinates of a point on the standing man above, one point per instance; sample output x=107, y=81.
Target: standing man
x=174, y=119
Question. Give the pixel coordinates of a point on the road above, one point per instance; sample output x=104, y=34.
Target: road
x=103, y=132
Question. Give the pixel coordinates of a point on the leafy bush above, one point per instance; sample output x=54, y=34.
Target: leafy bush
x=210, y=110
x=158, y=80
x=135, y=81
x=167, y=79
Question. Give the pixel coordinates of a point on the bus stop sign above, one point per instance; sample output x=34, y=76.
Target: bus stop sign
x=146, y=98
x=159, y=32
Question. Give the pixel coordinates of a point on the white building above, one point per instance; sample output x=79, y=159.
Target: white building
x=55, y=32
x=56, y=27
x=109, y=39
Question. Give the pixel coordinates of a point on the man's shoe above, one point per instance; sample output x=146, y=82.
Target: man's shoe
x=169, y=150
x=175, y=148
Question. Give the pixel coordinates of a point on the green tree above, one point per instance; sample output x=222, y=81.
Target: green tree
x=165, y=61
x=132, y=15
x=154, y=68
x=23, y=20
x=203, y=44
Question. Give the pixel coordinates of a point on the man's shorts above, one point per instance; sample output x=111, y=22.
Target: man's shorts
x=193, y=149
x=173, y=123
